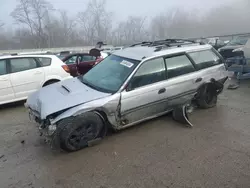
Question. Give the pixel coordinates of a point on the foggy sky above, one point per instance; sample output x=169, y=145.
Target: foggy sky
x=121, y=8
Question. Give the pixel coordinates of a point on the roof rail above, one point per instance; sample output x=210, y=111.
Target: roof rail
x=167, y=43
x=145, y=43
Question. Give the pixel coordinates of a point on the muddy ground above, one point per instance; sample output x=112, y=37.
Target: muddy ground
x=159, y=153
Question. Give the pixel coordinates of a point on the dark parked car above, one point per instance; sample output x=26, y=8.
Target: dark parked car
x=80, y=63
x=234, y=47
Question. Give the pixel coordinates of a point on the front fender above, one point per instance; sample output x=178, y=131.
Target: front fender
x=108, y=105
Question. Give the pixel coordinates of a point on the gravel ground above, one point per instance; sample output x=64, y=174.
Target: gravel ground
x=156, y=154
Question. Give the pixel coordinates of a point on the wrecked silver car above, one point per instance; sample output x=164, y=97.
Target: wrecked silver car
x=130, y=86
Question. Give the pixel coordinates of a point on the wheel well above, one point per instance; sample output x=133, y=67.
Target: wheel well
x=103, y=116
x=49, y=81
x=200, y=89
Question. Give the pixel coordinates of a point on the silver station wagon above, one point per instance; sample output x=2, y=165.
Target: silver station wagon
x=132, y=85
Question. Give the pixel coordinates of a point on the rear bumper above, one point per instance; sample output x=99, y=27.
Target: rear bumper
x=223, y=80
x=219, y=84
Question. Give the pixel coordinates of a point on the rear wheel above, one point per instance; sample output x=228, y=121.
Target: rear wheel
x=75, y=133
x=207, y=97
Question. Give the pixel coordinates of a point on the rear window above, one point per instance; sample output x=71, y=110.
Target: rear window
x=205, y=59
x=45, y=61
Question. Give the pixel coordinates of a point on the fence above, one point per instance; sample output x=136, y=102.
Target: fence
x=87, y=48
x=52, y=50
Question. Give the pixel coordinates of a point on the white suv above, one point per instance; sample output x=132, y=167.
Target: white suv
x=23, y=74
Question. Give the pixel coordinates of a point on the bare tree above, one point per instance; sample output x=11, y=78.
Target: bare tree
x=95, y=21
x=39, y=27
x=131, y=30
x=31, y=13
x=60, y=29
x=67, y=25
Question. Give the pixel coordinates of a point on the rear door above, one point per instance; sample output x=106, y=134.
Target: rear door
x=182, y=79
x=146, y=92
x=26, y=76
x=86, y=63
x=6, y=90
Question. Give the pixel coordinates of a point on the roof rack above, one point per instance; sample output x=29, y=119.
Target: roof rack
x=162, y=44
x=145, y=43
x=167, y=43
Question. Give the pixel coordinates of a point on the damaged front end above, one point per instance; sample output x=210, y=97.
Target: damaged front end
x=46, y=129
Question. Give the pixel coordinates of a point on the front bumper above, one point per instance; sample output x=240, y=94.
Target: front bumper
x=45, y=128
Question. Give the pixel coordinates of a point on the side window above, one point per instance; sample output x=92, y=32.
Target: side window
x=3, y=68
x=86, y=58
x=71, y=60
x=22, y=64
x=149, y=72
x=205, y=59
x=178, y=65
x=45, y=61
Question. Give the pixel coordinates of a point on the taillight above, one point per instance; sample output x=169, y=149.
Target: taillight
x=66, y=68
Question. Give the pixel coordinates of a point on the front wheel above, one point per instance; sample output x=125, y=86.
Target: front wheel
x=75, y=133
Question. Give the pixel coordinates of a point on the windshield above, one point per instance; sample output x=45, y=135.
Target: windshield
x=109, y=75
x=241, y=40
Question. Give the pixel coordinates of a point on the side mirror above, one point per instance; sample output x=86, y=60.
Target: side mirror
x=128, y=87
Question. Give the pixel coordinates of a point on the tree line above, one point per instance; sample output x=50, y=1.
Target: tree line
x=40, y=25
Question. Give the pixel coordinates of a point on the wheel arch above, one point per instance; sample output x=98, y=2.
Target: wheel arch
x=51, y=80
x=210, y=82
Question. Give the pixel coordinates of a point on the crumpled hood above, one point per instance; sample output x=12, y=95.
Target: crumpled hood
x=62, y=95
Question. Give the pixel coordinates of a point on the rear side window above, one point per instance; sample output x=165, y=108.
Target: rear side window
x=45, y=61
x=3, y=68
x=22, y=64
x=205, y=59
x=178, y=65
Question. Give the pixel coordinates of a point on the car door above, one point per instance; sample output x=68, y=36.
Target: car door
x=145, y=95
x=87, y=62
x=71, y=61
x=183, y=79
x=6, y=90
x=26, y=76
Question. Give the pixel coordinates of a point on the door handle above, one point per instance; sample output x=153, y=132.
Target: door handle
x=198, y=80
x=3, y=79
x=162, y=91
